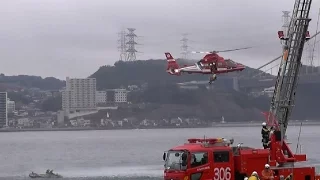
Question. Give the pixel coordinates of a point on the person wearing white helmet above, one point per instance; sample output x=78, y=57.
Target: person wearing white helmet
x=265, y=132
x=267, y=173
x=254, y=176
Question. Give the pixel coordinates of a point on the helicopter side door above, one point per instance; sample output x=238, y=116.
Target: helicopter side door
x=223, y=168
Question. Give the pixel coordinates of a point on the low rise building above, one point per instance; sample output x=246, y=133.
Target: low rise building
x=80, y=122
x=3, y=109
x=25, y=122
x=120, y=95
x=11, y=106
x=268, y=91
x=101, y=97
x=116, y=96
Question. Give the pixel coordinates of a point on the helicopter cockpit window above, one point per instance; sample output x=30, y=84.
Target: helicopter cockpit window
x=199, y=158
x=176, y=160
x=230, y=63
x=221, y=156
x=200, y=65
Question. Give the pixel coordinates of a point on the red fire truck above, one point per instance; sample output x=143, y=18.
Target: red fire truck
x=216, y=159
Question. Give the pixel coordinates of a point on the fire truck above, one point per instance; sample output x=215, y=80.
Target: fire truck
x=217, y=159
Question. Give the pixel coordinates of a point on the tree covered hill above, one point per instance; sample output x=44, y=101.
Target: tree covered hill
x=166, y=100
x=170, y=101
x=149, y=71
x=25, y=81
x=123, y=74
x=206, y=104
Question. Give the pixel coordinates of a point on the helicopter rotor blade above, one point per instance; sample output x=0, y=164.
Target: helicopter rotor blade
x=237, y=49
x=210, y=52
x=200, y=52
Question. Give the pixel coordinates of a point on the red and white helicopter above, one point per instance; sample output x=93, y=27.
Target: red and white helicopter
x=211, y=63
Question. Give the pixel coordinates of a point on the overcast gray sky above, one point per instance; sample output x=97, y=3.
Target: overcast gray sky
x=75, y=37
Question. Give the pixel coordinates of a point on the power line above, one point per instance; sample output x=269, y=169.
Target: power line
x=122, y=45
x=184, y=46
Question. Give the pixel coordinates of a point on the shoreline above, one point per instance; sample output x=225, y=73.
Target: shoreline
x=214, y=125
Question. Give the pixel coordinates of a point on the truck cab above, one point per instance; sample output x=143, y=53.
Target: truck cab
x=199, y=159
x=212, y=159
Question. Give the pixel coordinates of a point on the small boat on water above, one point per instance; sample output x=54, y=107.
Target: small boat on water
x=46, y=175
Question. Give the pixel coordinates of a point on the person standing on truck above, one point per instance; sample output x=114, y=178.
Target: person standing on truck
x=265, y=132
x=289, y=177
x=267, y=173
x=254, y=176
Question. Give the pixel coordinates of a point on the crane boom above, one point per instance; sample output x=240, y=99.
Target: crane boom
x=285, y=88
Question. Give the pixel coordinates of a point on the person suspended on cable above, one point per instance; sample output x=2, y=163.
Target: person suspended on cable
x=212, y=78
x=265, y=132
x=267, y=173
x=213, y=69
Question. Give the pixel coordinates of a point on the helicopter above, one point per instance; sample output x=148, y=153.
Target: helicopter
x=211, y=63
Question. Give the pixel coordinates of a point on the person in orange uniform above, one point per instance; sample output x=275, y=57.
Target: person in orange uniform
x=267, y=173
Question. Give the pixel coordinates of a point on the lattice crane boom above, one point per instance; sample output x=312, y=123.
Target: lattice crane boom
x=285, y=88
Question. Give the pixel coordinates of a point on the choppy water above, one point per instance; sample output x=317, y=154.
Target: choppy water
x=118, y=154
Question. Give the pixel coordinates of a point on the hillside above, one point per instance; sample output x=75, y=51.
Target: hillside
x=208, y=104
x=150, y=71
x=167, y=101
x=121, y=74
x=108, y=77
x=162, y=99
x=25, y=81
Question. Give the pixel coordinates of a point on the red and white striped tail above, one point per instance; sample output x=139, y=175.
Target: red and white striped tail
x=172, y=64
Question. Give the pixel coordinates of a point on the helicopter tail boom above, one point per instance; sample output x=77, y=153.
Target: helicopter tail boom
x=173, y=67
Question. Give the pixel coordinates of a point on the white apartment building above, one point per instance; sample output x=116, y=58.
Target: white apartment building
x=101, y=97
x=79, y=94
x=11, y=106
x=120, y=95
x=3, y=109
x=24, y=122
x=268, y=91
x=60, y=118
x=116, y=95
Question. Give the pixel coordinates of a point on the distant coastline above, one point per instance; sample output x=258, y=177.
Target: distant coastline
x=229, y=124
x=254, y=124
x=89, y=128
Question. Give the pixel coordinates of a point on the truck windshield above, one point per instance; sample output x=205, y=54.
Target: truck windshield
x=174, y=161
